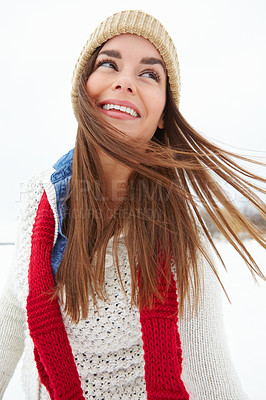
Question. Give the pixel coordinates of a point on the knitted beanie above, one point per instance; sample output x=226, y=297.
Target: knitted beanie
x=138, y=23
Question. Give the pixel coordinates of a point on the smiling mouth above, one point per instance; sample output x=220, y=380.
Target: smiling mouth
x=122, y=109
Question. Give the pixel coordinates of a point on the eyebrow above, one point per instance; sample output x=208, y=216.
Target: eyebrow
x=152, y=61
x=111, y=53
x=145, y=60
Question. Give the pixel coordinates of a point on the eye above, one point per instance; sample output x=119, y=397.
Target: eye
x=107, y=64
x=151, y=74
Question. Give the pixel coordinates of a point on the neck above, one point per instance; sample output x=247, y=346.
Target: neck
x=116, y=177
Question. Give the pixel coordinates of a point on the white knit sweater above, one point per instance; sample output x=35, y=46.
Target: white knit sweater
x=107, y=347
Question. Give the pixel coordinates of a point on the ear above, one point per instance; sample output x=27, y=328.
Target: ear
x=161, y=122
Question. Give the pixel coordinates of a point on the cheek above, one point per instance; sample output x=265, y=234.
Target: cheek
x=156, y=101
x=160, y=105
x=163, y=102
x=91, y=86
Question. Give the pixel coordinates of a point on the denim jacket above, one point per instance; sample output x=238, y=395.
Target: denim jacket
x=61, y=178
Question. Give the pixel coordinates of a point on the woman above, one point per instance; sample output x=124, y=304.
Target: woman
x=113, y=232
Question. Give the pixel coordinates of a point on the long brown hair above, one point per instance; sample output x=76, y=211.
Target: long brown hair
x=173, y=177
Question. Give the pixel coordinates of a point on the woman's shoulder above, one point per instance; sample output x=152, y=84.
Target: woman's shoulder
x=30, y=199
x=64, y=160
x=46, y=180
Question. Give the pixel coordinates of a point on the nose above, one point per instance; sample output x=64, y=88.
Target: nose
x=124, y=84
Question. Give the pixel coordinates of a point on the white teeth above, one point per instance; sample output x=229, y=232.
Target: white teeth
x=127, y=110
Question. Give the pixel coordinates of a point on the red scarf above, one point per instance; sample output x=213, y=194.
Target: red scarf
x=53, y=354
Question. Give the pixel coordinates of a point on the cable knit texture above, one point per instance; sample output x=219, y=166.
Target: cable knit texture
x=52, y=351
x=108, y=346
x=53, y=354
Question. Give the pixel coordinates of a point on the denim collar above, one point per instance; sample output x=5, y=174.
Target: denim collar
x=60, y=179
x=63, y=167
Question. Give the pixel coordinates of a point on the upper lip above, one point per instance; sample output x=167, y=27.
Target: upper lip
x=121, y=103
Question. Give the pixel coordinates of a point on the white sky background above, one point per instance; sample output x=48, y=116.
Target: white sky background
x=221, y=47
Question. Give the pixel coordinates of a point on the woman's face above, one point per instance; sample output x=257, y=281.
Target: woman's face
x=128, y=85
